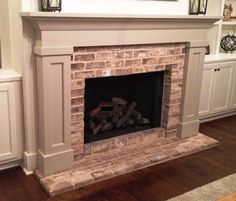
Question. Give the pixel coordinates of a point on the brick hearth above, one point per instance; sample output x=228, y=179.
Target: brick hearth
x=103, y=166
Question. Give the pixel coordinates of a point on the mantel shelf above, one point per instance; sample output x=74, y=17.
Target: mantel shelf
x=100, y=22
x=101, y=15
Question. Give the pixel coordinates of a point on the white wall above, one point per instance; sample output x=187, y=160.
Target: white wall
x=164, y=7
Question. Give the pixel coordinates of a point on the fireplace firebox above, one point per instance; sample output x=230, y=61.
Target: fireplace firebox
x=120, y=105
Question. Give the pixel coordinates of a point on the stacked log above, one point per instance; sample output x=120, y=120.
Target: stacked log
x=115, y=114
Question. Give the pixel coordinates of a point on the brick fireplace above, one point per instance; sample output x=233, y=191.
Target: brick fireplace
x=113, y=61
x=71, y=49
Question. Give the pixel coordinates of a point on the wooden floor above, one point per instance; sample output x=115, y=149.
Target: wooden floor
x=151, y=184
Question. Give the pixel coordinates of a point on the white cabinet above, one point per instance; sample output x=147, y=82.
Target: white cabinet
x=222, y=87
x=10, y=121
x=218, y=89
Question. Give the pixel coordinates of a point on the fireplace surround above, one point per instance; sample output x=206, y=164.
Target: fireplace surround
x=87, y=51
x=122, y=65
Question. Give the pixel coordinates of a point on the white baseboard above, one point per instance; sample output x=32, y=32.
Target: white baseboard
x=10, y=165
x=218, y=116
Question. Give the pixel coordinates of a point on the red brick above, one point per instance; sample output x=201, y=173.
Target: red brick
x=78, y=149
x=172, y=124
x=77, y=66
x=104, y=73
x=138, y=163
x=84, y=74
x=171, y=51
x=173, y=101
x=139, y=70
x=104, y=56
x=171, y=133
x=123, y=54
x=77, y=84
x=126, y=71
x=87, y=150
x=144, y=53
x=102, y=174
x=135, y=138
x=72, y=76
x=95, y=65
x=76, y=140
x=167, y=59
x=179, y=58
x=84, y=57
x=121, y=168
x=101, y=147
x=149, y=61
x=77, y=101
x=79, y=156
x=152, y=68
x=115, y=64
x=133, y=62
x=77, y=118
x=161, y=52
x=174, y=110
x=77, y=92
x=77, y=109
x=118, y=142
x=76, y=127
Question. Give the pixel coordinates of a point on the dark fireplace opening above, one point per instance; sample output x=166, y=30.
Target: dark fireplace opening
x=120, y=105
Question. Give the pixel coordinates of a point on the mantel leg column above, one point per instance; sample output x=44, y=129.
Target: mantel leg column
x=189, y=124
x=54, y=153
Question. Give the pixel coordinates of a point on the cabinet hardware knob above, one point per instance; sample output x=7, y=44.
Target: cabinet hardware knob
x=215, y=70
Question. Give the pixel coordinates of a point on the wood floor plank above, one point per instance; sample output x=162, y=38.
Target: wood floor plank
x=156, y=183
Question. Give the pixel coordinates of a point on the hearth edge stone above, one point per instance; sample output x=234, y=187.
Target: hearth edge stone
x=175, y=150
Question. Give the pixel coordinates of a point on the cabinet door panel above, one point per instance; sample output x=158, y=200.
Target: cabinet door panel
x=206, y=91
x=233, y=92
x=221, y=88
x=8, y=138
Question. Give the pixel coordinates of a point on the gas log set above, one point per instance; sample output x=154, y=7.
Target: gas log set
x=115, y=114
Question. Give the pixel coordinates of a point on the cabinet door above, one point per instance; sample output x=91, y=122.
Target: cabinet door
x=233, y=92
x=8, y=137
x=222, y=88
x=206, y=90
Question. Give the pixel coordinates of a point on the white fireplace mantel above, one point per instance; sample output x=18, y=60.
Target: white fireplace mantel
x=56, y=34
